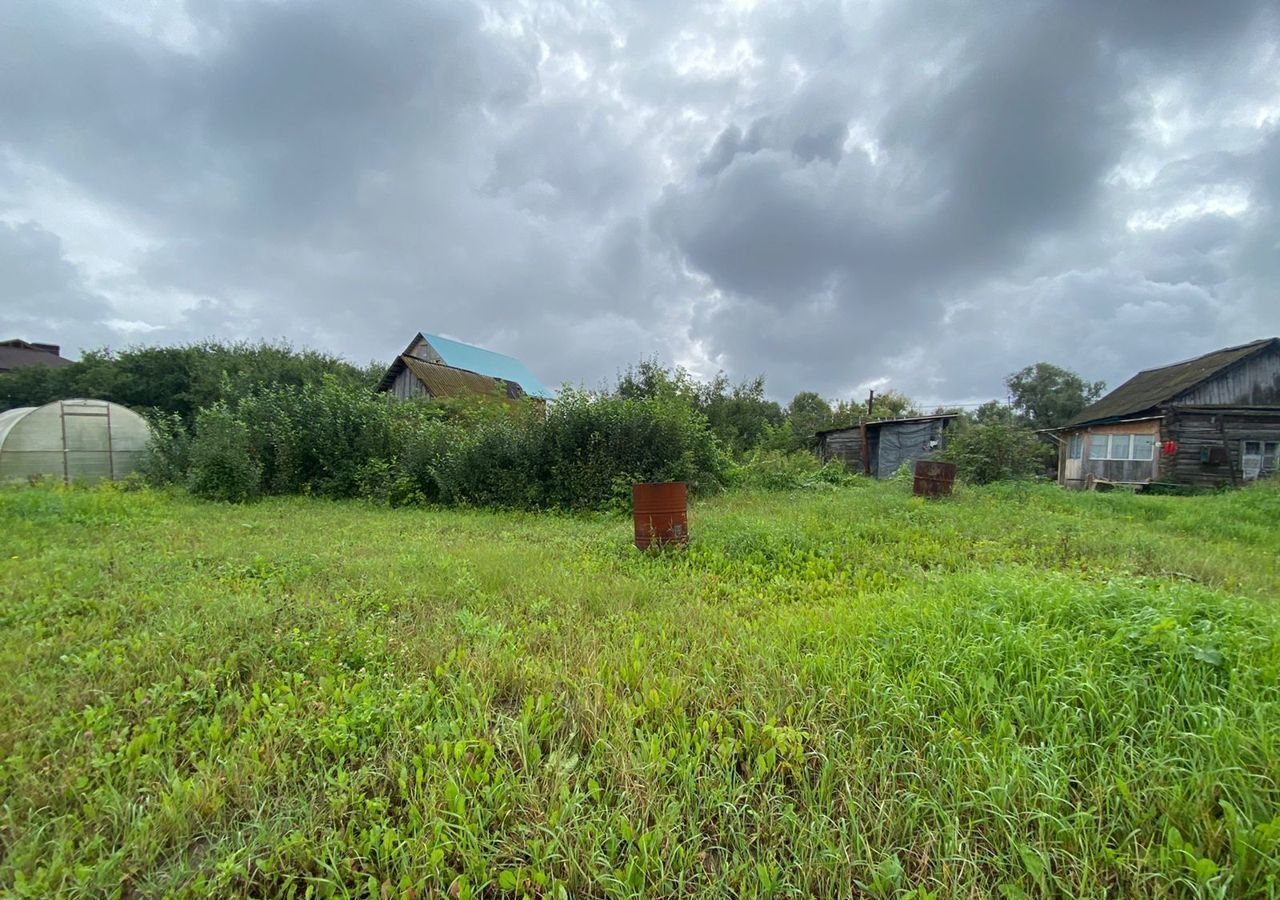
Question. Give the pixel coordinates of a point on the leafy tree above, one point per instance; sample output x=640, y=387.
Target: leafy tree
x=993, y=412
x=892, y=404
x=179, y=380
x=739, y=414
x=807, y=414
x=1048, y=396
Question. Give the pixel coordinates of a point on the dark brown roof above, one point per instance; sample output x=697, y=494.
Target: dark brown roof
x=1146, y=391
x=18, y=354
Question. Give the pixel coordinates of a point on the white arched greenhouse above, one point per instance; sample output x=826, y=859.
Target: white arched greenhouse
x=76, y=440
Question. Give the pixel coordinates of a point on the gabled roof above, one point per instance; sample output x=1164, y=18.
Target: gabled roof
x=1150, y=388
x=447, y=381
x=486, y=362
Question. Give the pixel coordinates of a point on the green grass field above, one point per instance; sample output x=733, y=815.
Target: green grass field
x=1014, y=692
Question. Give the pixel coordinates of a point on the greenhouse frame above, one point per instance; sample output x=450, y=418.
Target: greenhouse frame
x=74, y=440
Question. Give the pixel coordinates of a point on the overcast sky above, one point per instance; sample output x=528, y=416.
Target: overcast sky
x=917, y=195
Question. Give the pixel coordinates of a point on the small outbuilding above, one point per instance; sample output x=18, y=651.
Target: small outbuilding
x=880, y=448
x=1206, y=421
x=75, y=440
x=433, y=366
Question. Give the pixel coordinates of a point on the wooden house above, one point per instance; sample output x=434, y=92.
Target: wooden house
x=1207, y=421
x=880, y=448
x=433, y=366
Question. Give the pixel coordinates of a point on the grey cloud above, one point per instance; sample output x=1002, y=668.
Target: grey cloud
x=828, y=193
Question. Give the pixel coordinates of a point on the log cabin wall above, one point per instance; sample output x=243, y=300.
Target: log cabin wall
x=1210, y=443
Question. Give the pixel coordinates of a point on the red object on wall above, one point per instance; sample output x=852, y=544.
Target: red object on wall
x=1169, y=448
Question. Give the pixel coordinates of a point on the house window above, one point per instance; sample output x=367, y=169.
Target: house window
x=1258, y=458
x=1076, y=446
x=1122, y=446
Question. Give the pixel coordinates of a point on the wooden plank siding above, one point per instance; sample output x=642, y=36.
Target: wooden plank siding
x=1200, y=430
x=844, y=445
x=1251, y=382
x=1128, y=471
x=407, y=385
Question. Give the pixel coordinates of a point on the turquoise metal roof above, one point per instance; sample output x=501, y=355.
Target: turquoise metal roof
x=486, y=362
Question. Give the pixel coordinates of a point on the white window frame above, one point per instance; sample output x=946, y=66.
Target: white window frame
x=1075, y=446
x=1129, y=442
x=1262, y=461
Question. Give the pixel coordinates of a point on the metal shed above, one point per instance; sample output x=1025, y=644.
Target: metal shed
x=76, y=440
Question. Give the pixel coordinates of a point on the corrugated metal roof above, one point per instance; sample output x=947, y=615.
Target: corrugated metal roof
x=487, y=362
x=447, y=381
x=1152, y=387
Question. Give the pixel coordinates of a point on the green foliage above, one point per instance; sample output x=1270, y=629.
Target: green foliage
x=807, y=414
x=1048, y=396
x=1019, y=692
x=179, y=380
x=340, y=441
x=886, y=405
x=738, y=415
x=315, y=438
x=773, y=470
x=167, y=458
x=994, y=451
x=993, y=412
x=221, y=464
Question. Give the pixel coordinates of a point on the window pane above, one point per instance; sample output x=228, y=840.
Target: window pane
x=1119, y=446
x=1252, y=448
x=1097, y=446
x=1077, y=444
x=1143, y=445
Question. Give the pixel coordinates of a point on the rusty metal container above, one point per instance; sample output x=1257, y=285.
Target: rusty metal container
x=934, y=479
x=661, y=514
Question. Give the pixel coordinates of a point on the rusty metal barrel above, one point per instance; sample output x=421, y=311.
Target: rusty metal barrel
x=933, y=478
x=661, y=513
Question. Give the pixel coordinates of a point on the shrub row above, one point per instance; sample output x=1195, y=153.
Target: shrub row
x=336, y=440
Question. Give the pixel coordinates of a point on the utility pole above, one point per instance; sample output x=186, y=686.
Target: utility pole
x=871, y=398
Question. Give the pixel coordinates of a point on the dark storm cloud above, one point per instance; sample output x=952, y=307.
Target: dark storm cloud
x=763, y=188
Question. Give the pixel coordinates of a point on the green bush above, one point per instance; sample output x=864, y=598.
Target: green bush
x=222, y=466
x=340, y=441
x=168, y=455
x=316, y=438
x=591, y=448
x=772, y=470
x=994, y=452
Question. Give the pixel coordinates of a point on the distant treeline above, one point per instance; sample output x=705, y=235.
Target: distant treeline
x=179, y=380
x=239, y=420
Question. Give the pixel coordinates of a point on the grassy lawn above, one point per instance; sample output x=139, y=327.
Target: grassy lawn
x=1017, y=691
